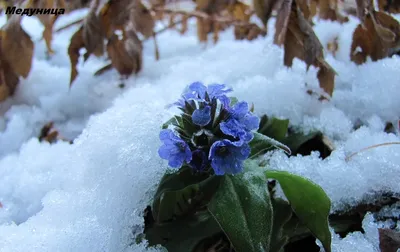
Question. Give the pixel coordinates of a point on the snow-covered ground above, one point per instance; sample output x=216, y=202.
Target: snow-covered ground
x=88, y=196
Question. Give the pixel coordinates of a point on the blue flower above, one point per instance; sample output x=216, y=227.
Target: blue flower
x=197, y=91
x=174, y=149
x=240, y=122
x=202, y=117
x=199, y=160
x=227, y=156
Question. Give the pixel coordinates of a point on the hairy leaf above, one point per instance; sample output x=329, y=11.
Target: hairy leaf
x=309, y=202
x=243, y=209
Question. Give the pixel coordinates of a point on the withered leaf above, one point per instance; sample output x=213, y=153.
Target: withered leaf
x=301, y=42
x=263, y=9
x=48, y=21
x=126, y=52
x=213, y=6
x=378, y=37
x=8, y=79
x=114, y=15
x=73, y=52
x=389, y=240
x=204, y=26
x=390, y=6
x=142, y=19
x=282, y=21
x=328, y=9
x=17, y=47
x=184, y=28
x=93, y=35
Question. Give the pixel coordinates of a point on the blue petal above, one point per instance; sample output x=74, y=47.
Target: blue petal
x=202, y=117
x=240, y=109
x=251, y=122
x=199, y=88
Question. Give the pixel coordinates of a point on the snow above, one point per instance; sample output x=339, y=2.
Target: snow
x=88, y=196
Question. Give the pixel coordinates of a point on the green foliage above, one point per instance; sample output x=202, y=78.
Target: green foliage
x=243, y=209
x=309, y=202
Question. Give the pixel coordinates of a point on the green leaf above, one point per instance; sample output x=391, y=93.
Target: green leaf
x=274, y=128
x=243, y=209
x=309, y=202
x=282, y=214
x=181, y=192
x=183, y=235
x=262, y=143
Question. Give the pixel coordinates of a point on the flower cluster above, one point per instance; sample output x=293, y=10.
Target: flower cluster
x=211, y=132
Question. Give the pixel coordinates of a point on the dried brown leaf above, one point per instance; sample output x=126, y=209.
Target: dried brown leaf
x=282, y=21
x=125, y=53
x=263, y=9
x=390, y=6
x=8, y=79
x=184, y=28
x=378, y=37
x=17, y=47
x=73, y=52
x=203, y=28
x=363, y=7
x=301, y=42
x=93, y=35
x=48, y=21
x=142, y=19
x=213, y=6
x=114, y=15
x=389, y=240
x=216, y=30
x=328, y=9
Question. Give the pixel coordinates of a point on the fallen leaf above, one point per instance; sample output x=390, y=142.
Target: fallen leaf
x=328, y=9
x=282, y=21
x=73, y=52
x=114, y=15
x=184, y=28
x=390, y=6
x=47, y=20
x=93, y=34
x=203, y=28
x=301, y=42
x=17, y=47
x=263, y=9
x=125, y=53
x=389, y=240
x=213, y=6
x=378, y=37
x=142, y=19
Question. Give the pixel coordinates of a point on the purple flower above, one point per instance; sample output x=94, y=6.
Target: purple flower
x=202, y=116
x=227, y=156
x=174, y=149
x=240, y=122
x=199, y=160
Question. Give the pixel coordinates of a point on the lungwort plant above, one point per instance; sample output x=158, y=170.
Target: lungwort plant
x=219, y=196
